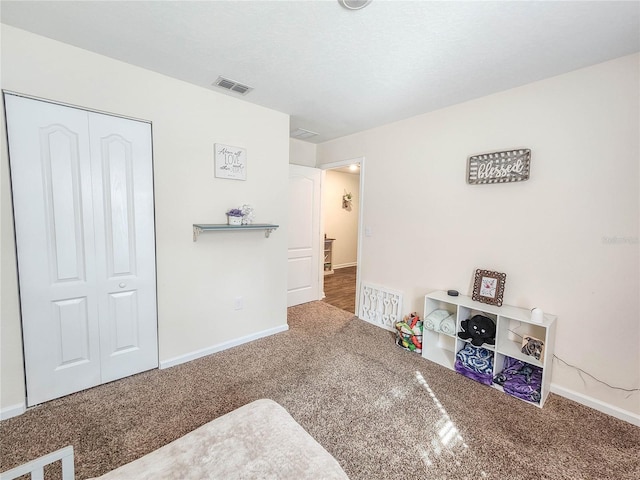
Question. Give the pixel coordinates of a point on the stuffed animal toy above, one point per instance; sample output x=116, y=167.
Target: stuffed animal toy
x=409, y=333
x=479, y=329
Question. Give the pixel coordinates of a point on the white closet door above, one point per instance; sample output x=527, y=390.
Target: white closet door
x=83, y=205
x=52, y=198
x=126, y=281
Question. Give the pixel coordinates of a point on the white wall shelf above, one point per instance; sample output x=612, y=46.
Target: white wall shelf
x=199, y=228
x=512, y=323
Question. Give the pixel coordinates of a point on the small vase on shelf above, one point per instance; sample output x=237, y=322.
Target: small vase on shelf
x=234, y=217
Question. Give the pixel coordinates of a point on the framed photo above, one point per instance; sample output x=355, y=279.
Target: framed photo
x=231, y=162
x=533, y=347
x=488, y=287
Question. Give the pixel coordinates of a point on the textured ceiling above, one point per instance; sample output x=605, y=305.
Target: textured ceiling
x=337, y=71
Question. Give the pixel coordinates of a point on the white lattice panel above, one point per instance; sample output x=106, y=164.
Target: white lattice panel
x=380, y=306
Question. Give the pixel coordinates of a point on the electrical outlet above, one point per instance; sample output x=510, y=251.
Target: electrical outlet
x=238, y=303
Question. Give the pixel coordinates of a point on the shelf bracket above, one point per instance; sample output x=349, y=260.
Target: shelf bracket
x=268, y=231
x=196, y=232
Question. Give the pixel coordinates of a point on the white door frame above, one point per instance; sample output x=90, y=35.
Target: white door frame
x=346, y=163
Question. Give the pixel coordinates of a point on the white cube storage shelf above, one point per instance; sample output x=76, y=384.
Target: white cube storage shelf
x=512, y=323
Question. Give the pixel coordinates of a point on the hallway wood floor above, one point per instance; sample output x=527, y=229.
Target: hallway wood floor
x=340, y=289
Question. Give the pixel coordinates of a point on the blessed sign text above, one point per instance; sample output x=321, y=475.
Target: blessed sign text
x=499, y=167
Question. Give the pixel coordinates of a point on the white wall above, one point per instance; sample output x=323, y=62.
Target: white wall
x=549, y=234
x=341, y=223
x=302, y=153
x=197, y=282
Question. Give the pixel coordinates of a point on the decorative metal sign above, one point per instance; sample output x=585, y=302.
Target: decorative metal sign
x=499, y=167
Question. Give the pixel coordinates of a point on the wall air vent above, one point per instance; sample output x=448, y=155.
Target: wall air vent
x=232, y=85
x=301, y=133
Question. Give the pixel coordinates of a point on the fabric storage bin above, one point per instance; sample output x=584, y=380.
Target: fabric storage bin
x=520, y=379
x=475, y=363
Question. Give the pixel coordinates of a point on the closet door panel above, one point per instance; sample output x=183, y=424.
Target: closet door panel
x=117, y=180
x=63, y=197
x=83, y=205
x=53, y=212
x=123, y=195
x=123, y=324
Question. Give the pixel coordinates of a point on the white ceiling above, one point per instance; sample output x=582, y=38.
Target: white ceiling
x=336, y=71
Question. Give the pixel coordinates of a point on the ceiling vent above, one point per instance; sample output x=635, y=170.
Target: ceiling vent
x=301, y=133
x=232, y=85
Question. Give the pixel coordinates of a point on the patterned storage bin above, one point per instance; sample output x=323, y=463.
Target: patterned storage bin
x=409, y=333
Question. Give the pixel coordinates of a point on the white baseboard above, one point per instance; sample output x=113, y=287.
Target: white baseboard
x=599, y=405
x=12, y=411
x=345, y=265
x=172, y=362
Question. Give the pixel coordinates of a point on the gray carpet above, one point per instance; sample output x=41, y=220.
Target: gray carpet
x=384, y=413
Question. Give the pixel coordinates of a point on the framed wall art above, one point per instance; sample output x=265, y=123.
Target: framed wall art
x=230, y=162
x=533, y=347
x=488, y=287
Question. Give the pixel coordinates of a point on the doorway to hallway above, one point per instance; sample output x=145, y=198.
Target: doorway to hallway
x=341, y=220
